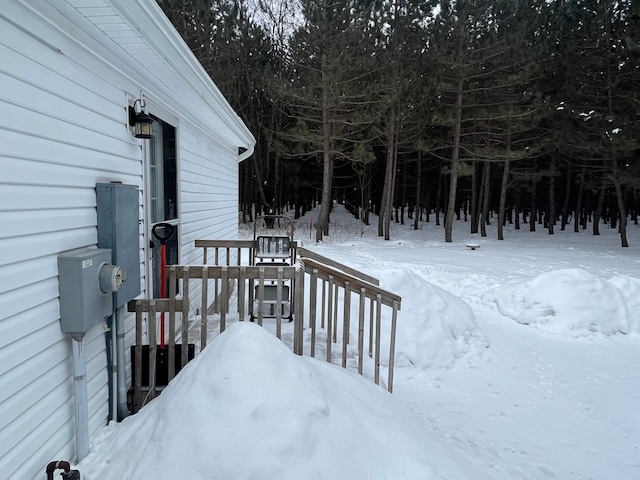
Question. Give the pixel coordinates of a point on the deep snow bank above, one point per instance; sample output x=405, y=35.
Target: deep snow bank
x=248, y=408
x=435, y=329
x=573, y=302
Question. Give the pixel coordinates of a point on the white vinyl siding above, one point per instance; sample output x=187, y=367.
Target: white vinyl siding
x=209, y=198
x=61, y=131
x=68, y=70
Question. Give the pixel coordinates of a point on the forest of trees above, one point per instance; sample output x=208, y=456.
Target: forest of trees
x=432, y=110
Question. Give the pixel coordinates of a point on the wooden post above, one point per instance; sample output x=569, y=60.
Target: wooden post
x=345, y=322
x=377, y=351
x=185, y=318
x=151, y=332
x=137, y=381
x=329, y=317
x=241, y=291
x=392, y=346
x=313, y=293
x=298, y=315
x=224, y=301
x=260, y=294
x=363, y=297
x=204, y=307
x=279, y=304
x=172, y=323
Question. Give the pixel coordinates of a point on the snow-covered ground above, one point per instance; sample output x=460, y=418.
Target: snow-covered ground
x=517, y=360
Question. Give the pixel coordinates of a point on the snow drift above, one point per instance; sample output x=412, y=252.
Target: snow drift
x=274, y=418
x=437, y=329
x=569, y=301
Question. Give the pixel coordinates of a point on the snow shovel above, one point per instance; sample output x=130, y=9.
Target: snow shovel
x=163, y=232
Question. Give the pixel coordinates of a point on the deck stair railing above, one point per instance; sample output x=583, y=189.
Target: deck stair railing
x=325, y=295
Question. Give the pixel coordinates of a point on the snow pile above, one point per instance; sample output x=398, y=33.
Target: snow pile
x=248, y=408
x=436, y=329
x=569, y=302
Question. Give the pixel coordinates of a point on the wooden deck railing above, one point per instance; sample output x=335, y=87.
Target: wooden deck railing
x=318, y=291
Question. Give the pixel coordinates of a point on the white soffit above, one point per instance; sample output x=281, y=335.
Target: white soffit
x=164, y=55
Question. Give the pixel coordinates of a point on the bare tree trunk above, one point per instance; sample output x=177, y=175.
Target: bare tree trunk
x=551, y=220
x=621, y=206
x=578, y=211
x=455, y=167
x=503, y=197
x=486, y=176
x=392, y=162
x=565, y=207
x=476, y=189
x=438, y=198
x=416, y=214
x=597, y=214
x=516, y=207
x=534, y=206
x=322, y=227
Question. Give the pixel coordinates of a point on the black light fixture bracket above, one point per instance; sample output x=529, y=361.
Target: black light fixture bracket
x=139, y=120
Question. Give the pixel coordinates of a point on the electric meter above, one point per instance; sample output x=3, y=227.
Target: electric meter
x=112, y=278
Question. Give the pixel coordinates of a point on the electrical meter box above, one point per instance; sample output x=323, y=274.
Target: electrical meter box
x=87, y=281
x=118, y=208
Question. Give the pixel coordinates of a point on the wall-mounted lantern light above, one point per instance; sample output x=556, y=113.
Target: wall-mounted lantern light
x=139, y=120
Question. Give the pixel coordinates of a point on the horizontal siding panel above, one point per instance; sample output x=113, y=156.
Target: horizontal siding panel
x=41, y=360
x=47, y=244
x=205, y=182
x=195, y=140
x=65, y=163
x=41, y=444
x=45, y=197
x=21, y=351
x=25, y=425
x=58, y=97
x=58, y=426
x=33, y=222
x=74, y=65
x=40, y=387
x=28, y=320
x=17, y=275
x=62, y=129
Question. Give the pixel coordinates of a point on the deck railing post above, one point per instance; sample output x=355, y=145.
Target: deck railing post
x=185, y=317
x=345, y=322
x=377, y=351
x=392, y=345
x=224, y=300
x=153, y=344
x=363, y=297
x=241, y=292
x=204, y=307
x=172, y=322
x=313, y=294
x=329, y=317
x=298, y=314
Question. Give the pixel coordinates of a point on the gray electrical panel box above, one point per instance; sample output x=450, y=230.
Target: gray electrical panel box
x=86, y=282
x=118, y=207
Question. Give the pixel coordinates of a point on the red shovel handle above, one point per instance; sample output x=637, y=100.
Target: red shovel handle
x=163, y=232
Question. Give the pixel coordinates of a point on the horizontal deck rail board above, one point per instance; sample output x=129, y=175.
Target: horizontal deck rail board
x=224, y=243
x=305, y=253
x=354, y=284
x=248, y=272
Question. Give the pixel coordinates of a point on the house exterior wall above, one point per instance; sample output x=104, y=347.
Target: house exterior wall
x=63, y=99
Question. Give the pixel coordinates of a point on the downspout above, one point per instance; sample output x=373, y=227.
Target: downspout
x=247, y=153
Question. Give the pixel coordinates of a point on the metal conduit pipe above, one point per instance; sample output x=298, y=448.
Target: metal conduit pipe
x=123, y=410
x=80, y=397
